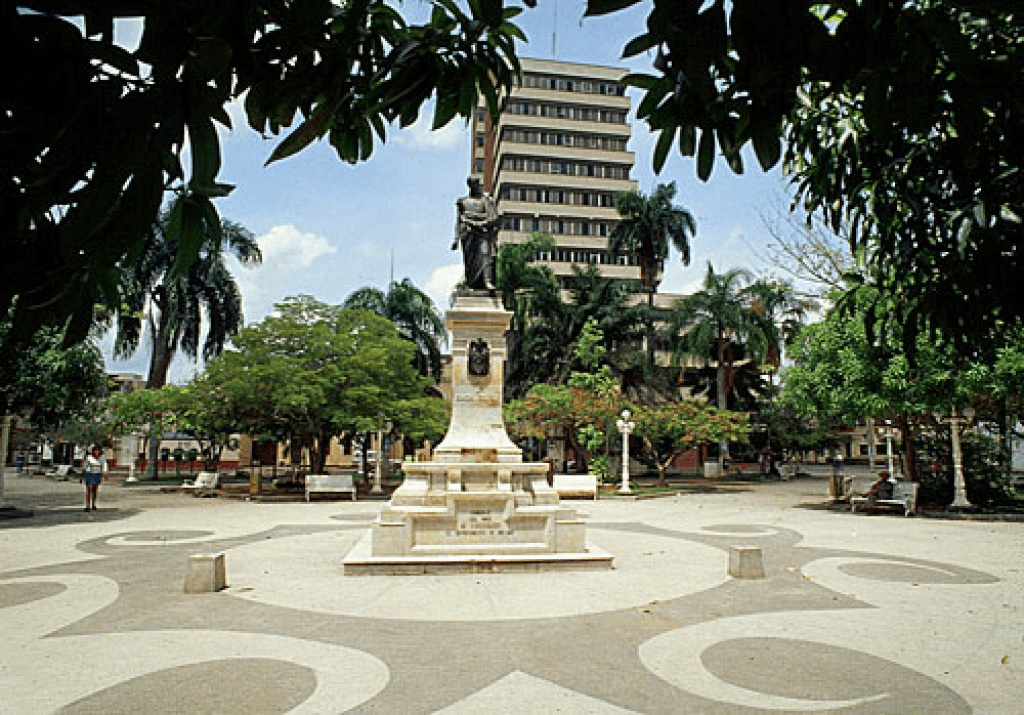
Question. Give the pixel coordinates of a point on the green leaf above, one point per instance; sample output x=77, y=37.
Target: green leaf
x=214, y=191
x=313, y=128
x=603, y=7
x=365, y=140
x=640, y=43
x=205, y=150
x=706, y=154
x=665, y=141
x=767, y=144
x=208, y=57
x=491, y=11
x=687, y=139
x=447, y=107
x=643, y=81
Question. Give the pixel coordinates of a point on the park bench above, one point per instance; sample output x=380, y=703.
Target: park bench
x=330, y=484
x=205, y=482
x=856, y=485
x=904, y=495
x=576, y=485
x=60, y=472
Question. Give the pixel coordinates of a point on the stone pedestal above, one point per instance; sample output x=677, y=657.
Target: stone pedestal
x=206, y=573
x=746, y=562
x=477, y=506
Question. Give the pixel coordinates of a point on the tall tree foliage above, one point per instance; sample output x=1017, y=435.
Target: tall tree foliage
x=711, y=323
x=839, y=370
x=581, y=411
x=313, y=371
x=556, y=322
x=171, y=302
x=649, y=227
x=415, y=315
x=527, y=288
x=52, y=385
x=671, y=430
x=779, y=312
x=94, y=131
x=892, y=117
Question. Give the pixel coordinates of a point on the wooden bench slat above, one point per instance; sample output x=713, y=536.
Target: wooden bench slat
x=571, y=485
x=330, y=483
x=904, y=495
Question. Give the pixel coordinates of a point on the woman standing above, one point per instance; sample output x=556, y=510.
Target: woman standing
x=95, y=472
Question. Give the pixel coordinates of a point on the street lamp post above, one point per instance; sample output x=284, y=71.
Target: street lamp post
x=378, y=472
x=956, y=422
x=871, y=444
x=626, y=428
x=888, y=447
x=888, y=429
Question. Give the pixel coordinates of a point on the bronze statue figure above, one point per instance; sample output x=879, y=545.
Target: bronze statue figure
x=477, y=231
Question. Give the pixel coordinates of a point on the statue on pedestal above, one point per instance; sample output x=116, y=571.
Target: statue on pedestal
x=477, y=231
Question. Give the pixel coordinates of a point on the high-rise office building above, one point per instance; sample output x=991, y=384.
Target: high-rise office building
x=555, y=161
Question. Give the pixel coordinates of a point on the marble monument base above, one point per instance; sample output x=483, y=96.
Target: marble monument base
x=474, y=517
x=478, y=507
x=361, y=562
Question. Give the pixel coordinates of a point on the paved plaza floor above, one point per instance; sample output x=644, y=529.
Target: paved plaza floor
x=857, y=613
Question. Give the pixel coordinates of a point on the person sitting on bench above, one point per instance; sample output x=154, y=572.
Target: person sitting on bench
x=881, y=489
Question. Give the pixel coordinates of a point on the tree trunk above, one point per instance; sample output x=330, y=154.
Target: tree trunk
x=650, y=331
x=159, y=364
x=908, y=451
x=164, y=346
x=662, y=479
x=318, y=458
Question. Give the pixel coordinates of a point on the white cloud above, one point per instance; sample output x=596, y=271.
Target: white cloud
x=441, y=284
x=287, y=248
x=680, y=279
x=421, y=136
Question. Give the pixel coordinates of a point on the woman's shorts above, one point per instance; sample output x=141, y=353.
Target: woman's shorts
x=93, y=480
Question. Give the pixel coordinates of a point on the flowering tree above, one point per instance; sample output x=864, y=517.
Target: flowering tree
x=582, y=411
x=677, y=427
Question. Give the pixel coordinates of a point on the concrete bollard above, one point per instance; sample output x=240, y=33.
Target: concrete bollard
x=746, y=562
x=205, y=574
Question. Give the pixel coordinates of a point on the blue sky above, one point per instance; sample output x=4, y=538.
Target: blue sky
x=327, y=228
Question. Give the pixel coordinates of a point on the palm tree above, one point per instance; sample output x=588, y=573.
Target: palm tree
x=414, y=314
x=173, y=300
x=711, y=321
x=553, y=324
x=527, y=289
x=781, y=311
x=650, y=225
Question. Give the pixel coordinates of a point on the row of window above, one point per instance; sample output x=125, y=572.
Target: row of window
x=557, y=226
x=571, y=197
x=573, y=139
x=586, y=255
x=568, y=282
x=564, y=111
x=562, y=84
x=566, y=168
